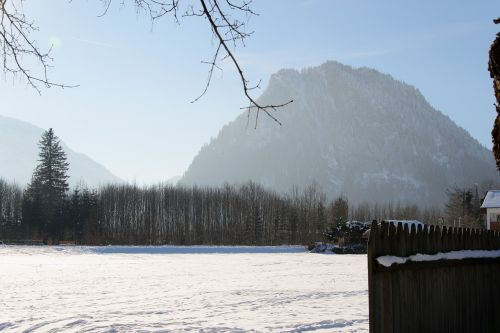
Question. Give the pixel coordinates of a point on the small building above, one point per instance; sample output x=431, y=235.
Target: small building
x=491, y=209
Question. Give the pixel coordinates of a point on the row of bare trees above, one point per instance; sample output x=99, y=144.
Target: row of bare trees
x=10, y=208
x=229, y=215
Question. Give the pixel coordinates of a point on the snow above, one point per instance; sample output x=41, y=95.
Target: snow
x=209, y=289
x=353, y=224
x=191, y=249
x=492, y=199
x=387, y=261
x=409, y=222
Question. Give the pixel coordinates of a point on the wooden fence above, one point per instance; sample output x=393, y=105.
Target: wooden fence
x=433, y=296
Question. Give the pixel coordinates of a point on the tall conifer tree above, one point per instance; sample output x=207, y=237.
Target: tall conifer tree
x=48, y=187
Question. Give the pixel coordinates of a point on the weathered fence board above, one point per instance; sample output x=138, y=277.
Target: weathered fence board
x=433, y=296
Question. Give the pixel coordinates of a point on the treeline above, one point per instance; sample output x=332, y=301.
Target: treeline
x=230, y=215
x=163, y=214
x=11, y=198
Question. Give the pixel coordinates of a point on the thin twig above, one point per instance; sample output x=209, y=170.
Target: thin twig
x=17, y=50
x=228, y=20
x=214, y=14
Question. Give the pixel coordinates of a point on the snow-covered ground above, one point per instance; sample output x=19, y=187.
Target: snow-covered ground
x=132, y=289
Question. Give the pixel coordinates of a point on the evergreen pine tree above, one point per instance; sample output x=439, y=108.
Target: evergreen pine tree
x=47, y=191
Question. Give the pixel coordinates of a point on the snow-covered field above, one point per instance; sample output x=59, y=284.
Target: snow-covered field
x=201, y=289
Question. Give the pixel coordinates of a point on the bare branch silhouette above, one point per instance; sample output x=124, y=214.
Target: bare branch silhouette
x=227, y=20
x=18, y=50
x=232, y=31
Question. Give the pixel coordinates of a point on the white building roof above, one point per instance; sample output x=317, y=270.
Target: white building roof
x=492, y=199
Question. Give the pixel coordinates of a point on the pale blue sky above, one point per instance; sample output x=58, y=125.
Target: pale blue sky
x=132, y=111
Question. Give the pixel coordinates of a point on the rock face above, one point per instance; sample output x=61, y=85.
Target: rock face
x=355, y=132
x=19, y=155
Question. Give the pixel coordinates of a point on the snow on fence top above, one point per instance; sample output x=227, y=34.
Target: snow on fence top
x=405, y=240
x=388, y=261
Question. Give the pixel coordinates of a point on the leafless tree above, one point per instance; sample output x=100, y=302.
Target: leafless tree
x=246, y=214
x=227, y=20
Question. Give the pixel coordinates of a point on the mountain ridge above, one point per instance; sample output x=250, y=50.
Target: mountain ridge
x=354, y=131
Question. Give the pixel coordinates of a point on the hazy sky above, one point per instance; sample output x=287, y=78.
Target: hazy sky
x=132, y=111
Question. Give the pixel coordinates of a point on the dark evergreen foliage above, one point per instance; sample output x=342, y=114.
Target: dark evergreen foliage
x=494, y=68
x=44, y=200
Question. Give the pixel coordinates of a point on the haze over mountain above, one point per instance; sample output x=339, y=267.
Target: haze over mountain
x=355, y=132
x=19, y=155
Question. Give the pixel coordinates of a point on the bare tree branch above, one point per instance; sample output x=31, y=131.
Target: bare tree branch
x=233, y=31
x=227, y=19
x=18, y=50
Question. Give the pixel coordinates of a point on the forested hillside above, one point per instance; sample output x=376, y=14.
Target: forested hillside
x=356, y=132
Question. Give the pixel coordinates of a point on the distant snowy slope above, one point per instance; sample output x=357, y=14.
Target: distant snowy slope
x=355, y=131
x=19, y=154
